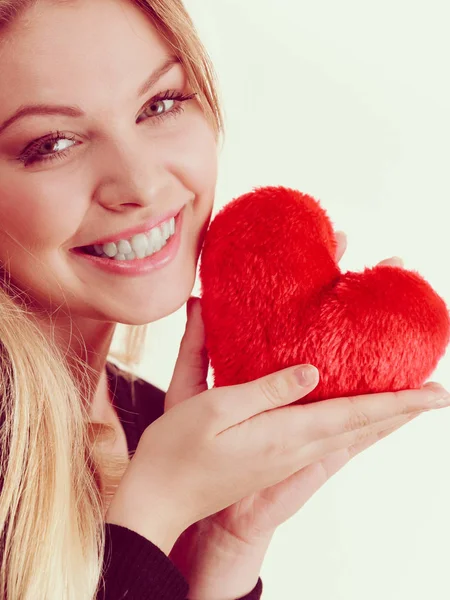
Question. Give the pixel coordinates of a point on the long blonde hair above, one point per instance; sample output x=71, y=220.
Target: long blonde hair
x=54, y=483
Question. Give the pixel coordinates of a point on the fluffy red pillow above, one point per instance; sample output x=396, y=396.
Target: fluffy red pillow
x=273, y=296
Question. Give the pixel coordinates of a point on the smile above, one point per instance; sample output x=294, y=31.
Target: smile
x=138, y=246
x=138, y=255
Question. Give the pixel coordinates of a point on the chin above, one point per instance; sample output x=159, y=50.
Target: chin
x=155, y=305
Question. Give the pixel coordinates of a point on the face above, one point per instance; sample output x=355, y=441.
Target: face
x=67, y=181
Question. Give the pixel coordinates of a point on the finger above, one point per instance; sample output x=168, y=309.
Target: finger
x=395, y=261
x=283, y=499
x=341, y=240
x=191, y=368
x=231, y=405
x=369, y=436
x=329, y=418
x=318, y=450
x=294, y=491
x=316, y=474
x=359, y=447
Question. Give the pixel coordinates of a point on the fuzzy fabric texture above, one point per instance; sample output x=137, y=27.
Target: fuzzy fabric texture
x=273, y=296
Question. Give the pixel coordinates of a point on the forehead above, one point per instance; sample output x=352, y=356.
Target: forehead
x=65, y=49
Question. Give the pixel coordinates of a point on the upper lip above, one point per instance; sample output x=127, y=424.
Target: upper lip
x=143, y=227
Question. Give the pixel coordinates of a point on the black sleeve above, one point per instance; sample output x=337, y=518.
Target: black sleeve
x=255, y=594
x=135, y=569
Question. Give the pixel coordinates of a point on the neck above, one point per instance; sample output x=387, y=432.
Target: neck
x=88, y=341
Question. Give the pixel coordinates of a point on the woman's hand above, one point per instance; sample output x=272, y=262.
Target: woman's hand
x=221, y=556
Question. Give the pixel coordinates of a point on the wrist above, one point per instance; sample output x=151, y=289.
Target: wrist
x=216, y=564
x=151, y=518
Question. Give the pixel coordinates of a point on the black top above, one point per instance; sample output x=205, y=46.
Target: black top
x=135, y=568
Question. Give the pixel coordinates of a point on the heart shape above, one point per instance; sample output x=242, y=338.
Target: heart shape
x=273, y=296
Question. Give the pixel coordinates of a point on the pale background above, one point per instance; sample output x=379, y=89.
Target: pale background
x=347, y=101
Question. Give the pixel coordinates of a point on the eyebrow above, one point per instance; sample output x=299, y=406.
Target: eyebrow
x=75, y=111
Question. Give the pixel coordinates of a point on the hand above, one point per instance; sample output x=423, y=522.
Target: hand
x=228, y=548
x=341, y=239
x=209, y=451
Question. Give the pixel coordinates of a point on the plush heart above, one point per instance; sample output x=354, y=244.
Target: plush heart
x=273, y=296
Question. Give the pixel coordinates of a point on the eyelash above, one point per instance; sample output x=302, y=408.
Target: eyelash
x=28, y=156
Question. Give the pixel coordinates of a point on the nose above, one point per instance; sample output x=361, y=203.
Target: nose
x=131, y=176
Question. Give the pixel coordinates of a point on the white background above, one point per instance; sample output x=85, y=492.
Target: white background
x=347, y=101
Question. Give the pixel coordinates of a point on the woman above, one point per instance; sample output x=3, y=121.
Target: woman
x=109, y=129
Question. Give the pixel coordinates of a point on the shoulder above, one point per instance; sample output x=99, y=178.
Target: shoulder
x=149, y=401
x=138, y=395
x=148, y=389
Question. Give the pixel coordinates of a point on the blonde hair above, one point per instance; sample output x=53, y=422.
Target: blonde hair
x=54, y=483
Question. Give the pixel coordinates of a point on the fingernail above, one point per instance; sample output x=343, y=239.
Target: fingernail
x=441, y=396
x=399, y=259
x=442, y=401
x=306, y=375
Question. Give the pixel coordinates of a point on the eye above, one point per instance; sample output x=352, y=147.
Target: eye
x=159, y=106
x=56, y=146
x=174, y=99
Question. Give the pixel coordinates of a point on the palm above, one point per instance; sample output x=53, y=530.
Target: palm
x=261, y=513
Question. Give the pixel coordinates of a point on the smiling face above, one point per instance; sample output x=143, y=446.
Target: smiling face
x=66, y=181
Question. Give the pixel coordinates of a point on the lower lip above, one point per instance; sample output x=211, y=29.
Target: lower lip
x=139, y=266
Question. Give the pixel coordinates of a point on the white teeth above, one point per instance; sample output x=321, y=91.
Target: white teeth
x=140, y=245
x=166, y=229
x=124, y=247
x=156, y=241
x=110, y=249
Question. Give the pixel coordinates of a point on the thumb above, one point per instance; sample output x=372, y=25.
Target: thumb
x=341, y=247
x=395, y=261
x=191, y=368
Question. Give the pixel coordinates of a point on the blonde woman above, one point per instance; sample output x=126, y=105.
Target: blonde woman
x=110, y=488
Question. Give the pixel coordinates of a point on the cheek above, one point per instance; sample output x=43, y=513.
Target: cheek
x=37, y=217
x=192, y=157
x=202, y=160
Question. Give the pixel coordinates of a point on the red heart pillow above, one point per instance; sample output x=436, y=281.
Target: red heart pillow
x=273, y=297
